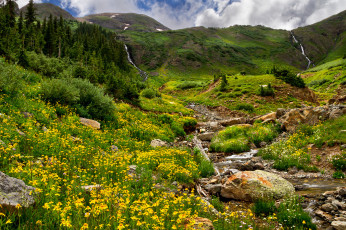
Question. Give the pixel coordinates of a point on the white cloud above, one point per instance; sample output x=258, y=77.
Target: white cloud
x=278, y=14
x=22, y=3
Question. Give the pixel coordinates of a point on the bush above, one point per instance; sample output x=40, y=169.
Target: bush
x=317, y=83
x=338, y=175
x=288, y=77
x=150, y=93
x=11, y=81
x=245, y=106
x=89, y=100
x=266, y=91
x=178, y=130
x=339, y=161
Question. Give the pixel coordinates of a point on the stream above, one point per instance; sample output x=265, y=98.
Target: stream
x=302, y=50
x=143, y=74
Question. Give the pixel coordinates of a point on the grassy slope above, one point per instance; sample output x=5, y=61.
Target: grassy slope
x=206, y=51
x=43, y=10
x=118, y=21
x=325, y=39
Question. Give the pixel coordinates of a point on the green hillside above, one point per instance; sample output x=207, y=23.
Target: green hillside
x=43, y=10
x=122, y=21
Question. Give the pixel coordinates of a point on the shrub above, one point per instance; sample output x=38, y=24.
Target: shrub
x=245, y=106
x=11, y=81
x=188, y=85
x=150, y=93
x=288, y=77
x=89, y=100
x=338, y=175
x=178, y=130
x=218, y=205
x=317, y=83
x=339, y=161
x=266, y=91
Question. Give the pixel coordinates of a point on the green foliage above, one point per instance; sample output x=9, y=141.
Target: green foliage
x=178, y=130
x=188, y=85
x=11, y=81
x=317, y=83
x=266, y=90
x=245, y=106
x=218, y=205
x=288, y=77
x=224, y=82
x=339, y=161
x=150, y=93
x=338, y=175
x=205, y=167
x=89, y=100
x=264, y=207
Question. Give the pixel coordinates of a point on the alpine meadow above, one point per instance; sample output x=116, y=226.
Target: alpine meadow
x=115, y=121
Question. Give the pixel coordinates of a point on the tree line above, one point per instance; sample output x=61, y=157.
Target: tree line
x=87, y=51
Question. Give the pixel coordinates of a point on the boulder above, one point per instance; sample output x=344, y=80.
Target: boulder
x=206, y=136
x=90, y=123
x=269, y=116
x=291, y=120
x=14, y=191
x=253, y=185
x=213, y=188
x=339, y=225
x=233, y=121
x=158, y=143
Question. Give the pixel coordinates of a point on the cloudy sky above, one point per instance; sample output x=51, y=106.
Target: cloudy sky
x=176, y=14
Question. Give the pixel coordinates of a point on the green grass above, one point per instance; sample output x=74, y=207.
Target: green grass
x=237, y=139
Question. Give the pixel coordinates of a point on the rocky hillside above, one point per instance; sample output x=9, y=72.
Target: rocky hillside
x=43, y=10
x=129, y=21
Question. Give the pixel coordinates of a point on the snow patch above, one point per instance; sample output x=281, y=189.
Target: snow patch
x=159, y=29
x=114, y=15
x=126, y=28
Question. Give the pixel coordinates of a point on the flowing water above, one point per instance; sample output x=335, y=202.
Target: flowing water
x=302, y=50
x=143, y=74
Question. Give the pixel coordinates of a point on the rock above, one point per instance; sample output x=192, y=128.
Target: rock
x=90, y=123
x=233, y=121
x=339, y=225
x=280, y=112
x=291, y=120
x=269, y=116
x=44, y=129
x=337, y=112
x=14, y=191
x=250, y=186
x=20, y=133
x=328, y=207
x=341, y=191
x=132, y=170
x=323, y=215
x=339, y=205
x=158, y=143
x=27, y=115
x=89, y=188
x=213, y=188
x=206, y=136
x=203, y=224
x=263, y=144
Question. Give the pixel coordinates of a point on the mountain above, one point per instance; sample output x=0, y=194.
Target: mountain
x=253, y=49
x=129, y=21
x=43, y=10
x=326, y=40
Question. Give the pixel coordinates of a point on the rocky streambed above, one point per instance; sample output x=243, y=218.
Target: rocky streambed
x=246, y=177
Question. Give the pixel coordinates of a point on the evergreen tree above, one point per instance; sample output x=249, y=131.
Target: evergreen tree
x=20, y=23
x=30, y=15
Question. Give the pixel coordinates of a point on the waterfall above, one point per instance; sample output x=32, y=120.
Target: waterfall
x=143, y=74
x=302, y=50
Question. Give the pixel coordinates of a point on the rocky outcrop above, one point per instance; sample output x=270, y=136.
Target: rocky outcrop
x=340, y=97
x=253, y=185
x=291, y=118
x=158, y=143
x=14, y=191
x=208, y=136
x=90, y=123
x=203, y=224
x=233, y=121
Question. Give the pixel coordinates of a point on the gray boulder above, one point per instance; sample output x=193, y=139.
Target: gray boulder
x=14, y=191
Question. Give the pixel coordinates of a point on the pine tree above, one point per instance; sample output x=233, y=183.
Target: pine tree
x=30, y=15
x=11, y=14
x=20, y=23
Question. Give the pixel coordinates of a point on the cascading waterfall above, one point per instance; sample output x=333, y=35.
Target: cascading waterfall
x=302, y=50
x=143, y=74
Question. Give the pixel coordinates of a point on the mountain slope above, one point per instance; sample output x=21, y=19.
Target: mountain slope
x=43, y=10
x=253, y=49
x=129, y=21
x=325, y=39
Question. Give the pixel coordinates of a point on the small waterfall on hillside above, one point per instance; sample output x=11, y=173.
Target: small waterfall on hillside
x=143, y=74
x=303, y=51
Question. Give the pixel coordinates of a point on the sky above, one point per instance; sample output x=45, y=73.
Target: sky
x=177, y=14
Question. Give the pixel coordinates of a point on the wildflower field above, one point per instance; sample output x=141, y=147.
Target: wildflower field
x=48, y=148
